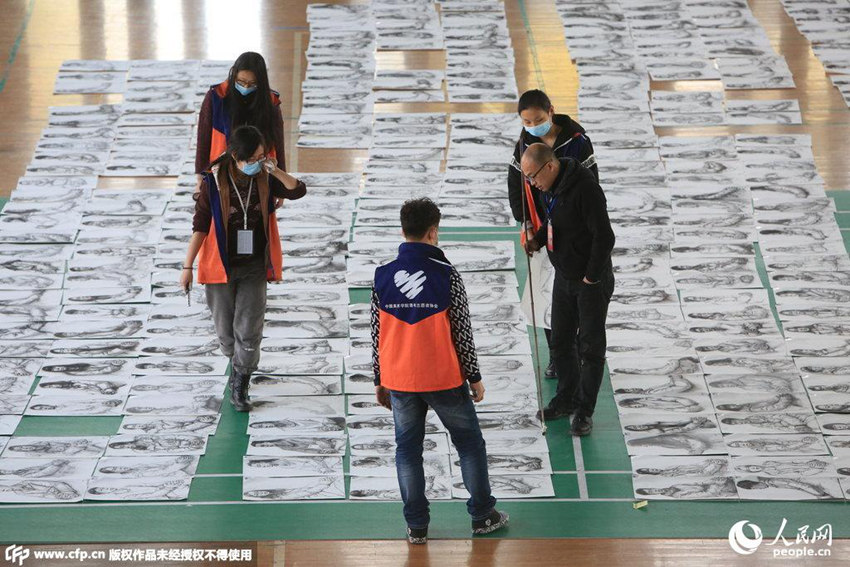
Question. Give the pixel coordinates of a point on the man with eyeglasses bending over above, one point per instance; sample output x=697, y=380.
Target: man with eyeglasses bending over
x=577, y=235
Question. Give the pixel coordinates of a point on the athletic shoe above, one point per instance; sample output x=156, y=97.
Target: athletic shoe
x=417, y=536
x=491, y=523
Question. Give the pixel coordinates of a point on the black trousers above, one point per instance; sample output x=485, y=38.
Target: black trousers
x=579, y=308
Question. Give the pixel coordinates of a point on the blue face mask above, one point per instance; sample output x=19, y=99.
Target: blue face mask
x=245, y=91
x=251, y=169
x=540, y=130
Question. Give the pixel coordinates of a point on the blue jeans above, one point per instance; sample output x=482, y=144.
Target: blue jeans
x=454, y=408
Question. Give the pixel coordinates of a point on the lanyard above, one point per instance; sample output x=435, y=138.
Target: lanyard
x=550, y=204
x=243, y=204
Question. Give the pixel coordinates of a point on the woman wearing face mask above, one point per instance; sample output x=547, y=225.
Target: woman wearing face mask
x=249, y=101
x=235, y=236
x=568, y=139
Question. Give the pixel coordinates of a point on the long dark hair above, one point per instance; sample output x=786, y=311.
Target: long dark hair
x=255, y=109
x=242, y=144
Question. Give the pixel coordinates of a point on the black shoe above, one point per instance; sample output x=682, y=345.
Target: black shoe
x=550, y=373
x=491, y=523
x=582, y=425
x=417, y=536
x=239, y=392
x=553, y=412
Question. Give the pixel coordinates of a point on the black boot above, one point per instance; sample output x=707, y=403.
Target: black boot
x=239, y=392
x=582, y=425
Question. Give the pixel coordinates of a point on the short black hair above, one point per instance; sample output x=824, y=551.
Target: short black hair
x=535, y=98
x=418, y=216
x=244, y=141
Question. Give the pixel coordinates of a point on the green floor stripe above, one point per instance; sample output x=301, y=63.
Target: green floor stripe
x=566, y=486
x=217, y=489
x=13, y=53
x=538, y=73
x=537, y=519
x=842, y=199
x=609, y=485
x=67, y=426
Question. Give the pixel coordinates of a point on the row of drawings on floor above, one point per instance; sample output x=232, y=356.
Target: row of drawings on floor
x=92, y=322
x=716, y=400
x=405, y=154
x=826, y=25
x=717, y=397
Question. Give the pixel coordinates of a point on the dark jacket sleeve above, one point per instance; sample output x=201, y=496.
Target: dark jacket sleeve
x=279, y=190
x=203, y=216
x=595, y=212
x=515, y=192
x=516, y=188
x=462, y=330
x=588, y=158
x=202, y=153
x=541, y=237
x=375, y=320
x=280, y=151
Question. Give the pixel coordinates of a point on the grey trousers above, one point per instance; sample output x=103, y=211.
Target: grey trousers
x=238, y=309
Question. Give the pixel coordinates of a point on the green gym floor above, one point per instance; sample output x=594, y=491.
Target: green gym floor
x=593, y=490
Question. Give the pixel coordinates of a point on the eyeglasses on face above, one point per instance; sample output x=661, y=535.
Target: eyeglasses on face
x=536, y=173
x=253, y=160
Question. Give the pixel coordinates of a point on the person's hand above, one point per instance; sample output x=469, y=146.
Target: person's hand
x=531, y=246
x=383, y=397
x=477, y=391
x=185, y=280
x=278, y=202
x=270, y=164
x=529, y=234
x=588, y=282
x=199, y=179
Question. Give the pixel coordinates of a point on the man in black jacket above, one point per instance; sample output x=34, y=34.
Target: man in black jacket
x=566, y=137
x=578, y=237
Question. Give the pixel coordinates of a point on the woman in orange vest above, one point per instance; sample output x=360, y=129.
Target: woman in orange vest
x=250, y=101
x=236, y=239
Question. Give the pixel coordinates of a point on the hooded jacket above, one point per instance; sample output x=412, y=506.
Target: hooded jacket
x=572, y=141
x=576, y=208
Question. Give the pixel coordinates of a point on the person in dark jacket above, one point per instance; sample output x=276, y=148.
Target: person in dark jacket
x=577, y=235
x=567, y=138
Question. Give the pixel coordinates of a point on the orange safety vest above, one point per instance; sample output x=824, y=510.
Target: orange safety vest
x=213, y=265
x=530, y=210
x=221, y=122
x=416, y=350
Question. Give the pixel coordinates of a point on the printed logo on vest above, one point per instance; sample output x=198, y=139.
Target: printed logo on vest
x=409, y=284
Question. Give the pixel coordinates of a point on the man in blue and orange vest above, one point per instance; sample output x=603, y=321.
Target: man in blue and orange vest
x=423, y=355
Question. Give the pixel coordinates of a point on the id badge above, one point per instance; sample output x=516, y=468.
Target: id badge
x=244, y=242
x=550, y=238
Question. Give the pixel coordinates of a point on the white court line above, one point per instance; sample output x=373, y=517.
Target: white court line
x=580, y=474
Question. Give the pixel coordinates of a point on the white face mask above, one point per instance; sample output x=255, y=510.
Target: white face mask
x=540, y=130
